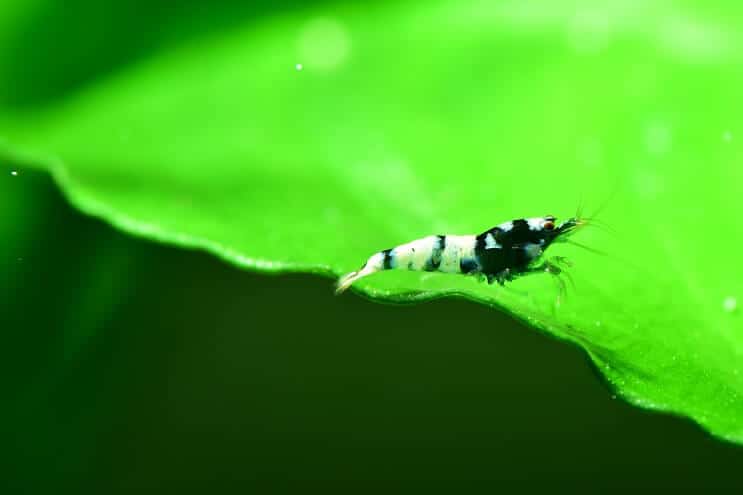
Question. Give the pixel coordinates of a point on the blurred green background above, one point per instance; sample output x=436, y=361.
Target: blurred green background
x=129, y=367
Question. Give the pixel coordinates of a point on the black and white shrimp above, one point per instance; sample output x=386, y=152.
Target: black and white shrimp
x=501, y=254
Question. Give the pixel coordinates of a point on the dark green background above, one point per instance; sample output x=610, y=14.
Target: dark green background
x=129, y=366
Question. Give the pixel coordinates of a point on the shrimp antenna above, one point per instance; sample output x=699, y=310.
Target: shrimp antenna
x=587, y=248
x=592, y=220
x=601, y=225
x=579, y=210
x=606, y=202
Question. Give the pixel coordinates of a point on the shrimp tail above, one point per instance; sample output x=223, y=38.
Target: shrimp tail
x=378, y=262
x=346, y=281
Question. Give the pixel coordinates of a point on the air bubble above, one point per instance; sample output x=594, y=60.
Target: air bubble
x=658, y=138
x=730, y=304
x=590, y=31
x=14, y=173
x=324, y=43
x=299, y=66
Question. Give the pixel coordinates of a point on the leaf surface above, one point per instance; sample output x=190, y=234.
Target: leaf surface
x=416, y=118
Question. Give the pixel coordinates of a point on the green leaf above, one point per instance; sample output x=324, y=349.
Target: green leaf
x=414, y=118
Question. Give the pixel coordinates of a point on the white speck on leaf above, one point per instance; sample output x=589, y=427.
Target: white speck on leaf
x=727, y=136
x=14, y=173
x=298, y=66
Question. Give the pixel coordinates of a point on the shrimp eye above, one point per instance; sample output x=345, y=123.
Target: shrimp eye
x=549, y=225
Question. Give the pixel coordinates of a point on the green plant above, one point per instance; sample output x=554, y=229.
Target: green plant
x=413, y=118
